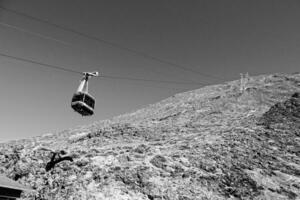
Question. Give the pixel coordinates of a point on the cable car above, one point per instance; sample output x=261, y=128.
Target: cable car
x=82, y=101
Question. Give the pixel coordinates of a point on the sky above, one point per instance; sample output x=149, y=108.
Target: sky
x=211, y=37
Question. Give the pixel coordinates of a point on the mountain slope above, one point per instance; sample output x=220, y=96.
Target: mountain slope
x=238, y=140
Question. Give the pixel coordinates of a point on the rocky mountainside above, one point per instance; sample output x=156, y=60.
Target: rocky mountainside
x=238, y=140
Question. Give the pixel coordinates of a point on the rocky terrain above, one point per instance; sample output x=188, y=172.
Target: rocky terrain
x=237, y=140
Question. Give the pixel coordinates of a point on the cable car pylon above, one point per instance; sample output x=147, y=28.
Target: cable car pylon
x=82, y=101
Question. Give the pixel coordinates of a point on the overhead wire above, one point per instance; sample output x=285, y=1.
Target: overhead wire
x=113, y=44
x=154, y=86
x=39, y=63
x=33, y=33
x=36, y=34
x=104, y=76
x=77, y=72
x=150, y=80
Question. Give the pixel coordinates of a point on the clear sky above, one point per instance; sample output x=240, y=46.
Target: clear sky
x=221, y=38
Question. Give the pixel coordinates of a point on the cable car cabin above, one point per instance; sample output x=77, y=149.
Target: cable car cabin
x=83, y=103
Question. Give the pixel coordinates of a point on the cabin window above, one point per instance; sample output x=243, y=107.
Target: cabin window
x=77, y=97
x=89, y=101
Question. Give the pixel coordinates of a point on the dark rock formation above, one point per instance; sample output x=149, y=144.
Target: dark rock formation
x=57, y=158
x=284, y=112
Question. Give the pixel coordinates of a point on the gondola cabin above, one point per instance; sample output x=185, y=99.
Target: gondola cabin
x=83, y=103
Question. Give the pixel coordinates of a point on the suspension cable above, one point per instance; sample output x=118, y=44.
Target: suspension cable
x=110, y=43
x=104, y=76
x=33, y=33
